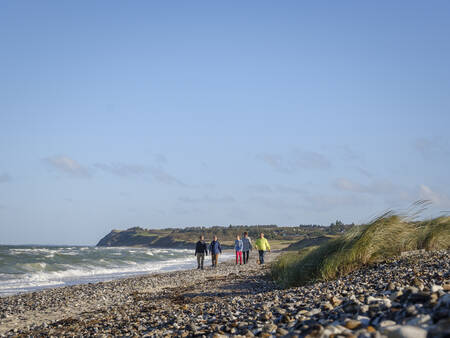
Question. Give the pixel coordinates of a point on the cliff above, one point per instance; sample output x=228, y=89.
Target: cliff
x=136, y=237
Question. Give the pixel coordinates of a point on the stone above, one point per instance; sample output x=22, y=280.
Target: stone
x=386, y=323
x=335, y=301
x=436, y=288
x=420, y=320
x=327, y=306
x=352, y=324
x=441, y=329
x=364, y=320
x=411, y=310
x=314, y=311
x=408, y=331
x=371, y=329
x=282, y=331
x=390, y=286
x=286, y=318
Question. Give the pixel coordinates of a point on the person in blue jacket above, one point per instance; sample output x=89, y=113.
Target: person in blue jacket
x=215, y=250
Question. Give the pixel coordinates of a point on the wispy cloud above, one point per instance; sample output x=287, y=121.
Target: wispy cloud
x=394, y=194
x=277, y=188
x=320, y=202
x=129, y=170
x=364, y=172
x=259, y=188
x=288, y=189
x=347, y=153
x=68, y=165
x=437, y=198
x=160, y=158
x=122, y=169
x=274, y=202
x=296, y=160
x=5, y=177
x=431, y=148
x=163, y=176
x=374, y=188
x=208, y=199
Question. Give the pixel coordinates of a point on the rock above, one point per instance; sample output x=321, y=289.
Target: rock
x=286, y=319
x=436, y=288
x=444, y=301
x=249, y=334
x=390, y=286
x=441, y=329
x=408, y=331
x=314, y=311
x=371, y=329
x=364, y=320
x=282, y=331
x=352, y=324
x=420, y=320
x=418, y=283
x=335, y=301
x=386, y=323
x=419, y=297
x=270, y=327
x=364, y=308
x=327, y=306
x=411, y=310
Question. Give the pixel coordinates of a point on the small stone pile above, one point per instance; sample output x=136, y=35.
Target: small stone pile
x=404, y=297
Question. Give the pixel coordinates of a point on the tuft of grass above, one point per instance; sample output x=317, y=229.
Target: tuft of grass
x=384, y=237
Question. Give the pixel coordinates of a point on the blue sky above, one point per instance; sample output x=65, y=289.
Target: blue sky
x=117, y=114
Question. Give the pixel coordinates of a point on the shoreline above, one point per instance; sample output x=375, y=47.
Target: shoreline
x=402, y=297
x=77, y=273
x=29, y=309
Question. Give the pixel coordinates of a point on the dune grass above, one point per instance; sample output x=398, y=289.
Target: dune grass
x=386, y=236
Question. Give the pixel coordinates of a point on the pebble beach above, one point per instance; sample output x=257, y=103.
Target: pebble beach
x=403, y=297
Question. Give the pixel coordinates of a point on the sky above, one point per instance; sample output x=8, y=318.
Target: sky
x=197, y=113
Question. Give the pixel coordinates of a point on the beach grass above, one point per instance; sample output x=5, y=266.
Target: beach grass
x=384, y=237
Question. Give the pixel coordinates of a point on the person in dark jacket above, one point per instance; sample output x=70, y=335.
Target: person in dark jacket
x=215, y=250
x=247, y=247
x=201, y=251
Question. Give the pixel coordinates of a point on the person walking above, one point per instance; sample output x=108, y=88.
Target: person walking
x=201, y=251
x=238, y=246
x=215, y=250
x=246, y=247
x=262, y=245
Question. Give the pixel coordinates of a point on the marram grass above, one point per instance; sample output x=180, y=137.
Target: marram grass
x=384, y=237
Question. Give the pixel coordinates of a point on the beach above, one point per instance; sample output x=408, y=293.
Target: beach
x=402, y=297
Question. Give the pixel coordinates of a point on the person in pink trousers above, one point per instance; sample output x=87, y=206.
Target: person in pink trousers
x=238, y=246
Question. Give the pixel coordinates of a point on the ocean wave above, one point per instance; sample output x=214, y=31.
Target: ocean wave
x=28, y=269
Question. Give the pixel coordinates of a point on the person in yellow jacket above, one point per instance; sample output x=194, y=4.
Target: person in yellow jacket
x=262, y=245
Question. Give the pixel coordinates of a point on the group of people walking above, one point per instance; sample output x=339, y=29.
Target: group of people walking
x=242, y=248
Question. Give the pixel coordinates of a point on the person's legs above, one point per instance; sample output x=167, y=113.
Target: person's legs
x=198, y=261
x=246, y=257
x=216, y=259
x=237, y=255
x=213, y=259
x=261, y=256
x=240, y=257
x=202, y=260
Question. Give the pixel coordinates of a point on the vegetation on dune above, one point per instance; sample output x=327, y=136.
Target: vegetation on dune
x=280, y=236
x=385, y=237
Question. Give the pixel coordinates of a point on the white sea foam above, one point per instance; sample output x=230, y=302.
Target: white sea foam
x=91, y=265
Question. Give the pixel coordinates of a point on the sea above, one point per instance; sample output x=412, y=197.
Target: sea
x=31, y=268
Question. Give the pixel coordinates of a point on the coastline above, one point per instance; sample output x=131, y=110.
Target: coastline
x=403, y=297
x=30, y=309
